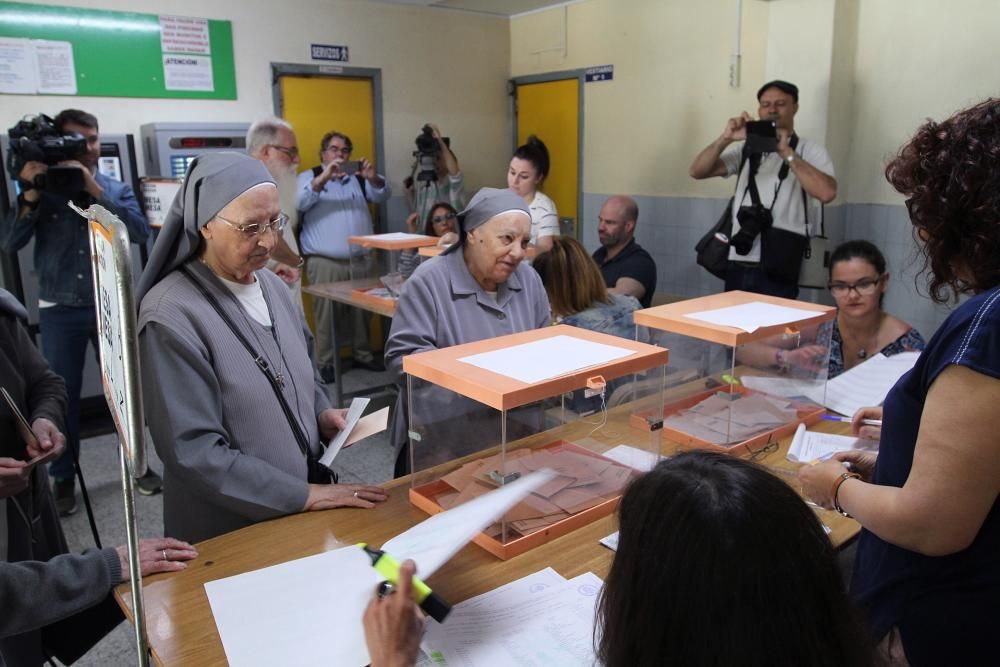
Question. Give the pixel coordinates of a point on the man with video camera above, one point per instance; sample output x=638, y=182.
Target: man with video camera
x=436, y=176
x=56, y=161
x=777, y=172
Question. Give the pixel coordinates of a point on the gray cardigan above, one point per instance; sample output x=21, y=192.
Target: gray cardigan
x=230, y=457
x=442, y=305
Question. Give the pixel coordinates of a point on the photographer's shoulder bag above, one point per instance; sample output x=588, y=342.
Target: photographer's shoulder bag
x=781, y=250
x=713, y=248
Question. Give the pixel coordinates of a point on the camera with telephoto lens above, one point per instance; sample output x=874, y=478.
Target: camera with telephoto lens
x=753, y=220
x=37, y=139
x=427, y=153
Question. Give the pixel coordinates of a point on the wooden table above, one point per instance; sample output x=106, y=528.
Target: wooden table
x=180, y=624
x=344, y=292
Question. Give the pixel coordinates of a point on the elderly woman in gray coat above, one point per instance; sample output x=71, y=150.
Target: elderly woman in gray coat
x=478, y=289
x=232, y=399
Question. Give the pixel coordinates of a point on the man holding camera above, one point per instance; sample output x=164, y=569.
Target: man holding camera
x=436, y=176
x=63, y=265
x=770, y=210
x=333, y=202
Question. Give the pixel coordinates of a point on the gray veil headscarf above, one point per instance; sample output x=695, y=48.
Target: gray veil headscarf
x=484, y=205
x=212, y=181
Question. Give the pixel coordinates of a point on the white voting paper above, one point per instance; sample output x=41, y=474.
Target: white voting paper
x=354, y=413
x=553, y=628
x=809, y=445
x=751, y=316
x=304, y=612
x=306, y=626
x=432, y=542
x=633, y=457
x=868, y=382
x=611, y=541
x=547, y=358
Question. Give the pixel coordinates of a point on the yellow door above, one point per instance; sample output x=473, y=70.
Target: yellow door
x=551, y=111
x=315, y=105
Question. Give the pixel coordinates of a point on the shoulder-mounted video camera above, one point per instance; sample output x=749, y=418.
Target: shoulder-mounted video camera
x=37, y=139
x=427, y=153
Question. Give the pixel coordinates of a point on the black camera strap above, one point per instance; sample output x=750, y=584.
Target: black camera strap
x=754, y=160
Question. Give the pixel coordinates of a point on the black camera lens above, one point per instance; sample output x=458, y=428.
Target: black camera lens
x=753, y=220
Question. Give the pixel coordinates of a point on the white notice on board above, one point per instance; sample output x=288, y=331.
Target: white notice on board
x=56, y=71
x=187, y=72
x=17, y=66
x=184, y=34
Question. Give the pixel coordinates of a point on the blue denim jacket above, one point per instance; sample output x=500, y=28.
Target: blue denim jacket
x=62, y=249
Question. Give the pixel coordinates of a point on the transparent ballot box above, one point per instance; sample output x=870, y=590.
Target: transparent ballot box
x=745, y=369
x=483, y=414
x=375, y=274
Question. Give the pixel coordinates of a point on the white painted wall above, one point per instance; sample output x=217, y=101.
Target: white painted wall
x=442, y=66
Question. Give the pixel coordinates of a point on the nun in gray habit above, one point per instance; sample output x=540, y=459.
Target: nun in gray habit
x=477, y=289
x=232, y=399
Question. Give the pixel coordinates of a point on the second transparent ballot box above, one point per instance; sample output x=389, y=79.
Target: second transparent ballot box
x=482, y=414
x=745, y=369
x=375, y=263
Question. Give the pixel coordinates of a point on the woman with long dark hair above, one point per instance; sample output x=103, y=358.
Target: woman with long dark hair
x=721, y=563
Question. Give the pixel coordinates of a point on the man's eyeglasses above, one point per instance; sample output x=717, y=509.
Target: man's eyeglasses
x=292, y=152
x=255, y=230
x=441, y=219
x=864, y=287
x=343, y=150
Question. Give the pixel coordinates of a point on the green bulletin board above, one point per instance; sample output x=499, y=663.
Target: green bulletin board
x=119, y=54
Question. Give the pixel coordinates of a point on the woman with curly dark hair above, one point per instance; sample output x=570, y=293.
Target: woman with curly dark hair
x=928, y=565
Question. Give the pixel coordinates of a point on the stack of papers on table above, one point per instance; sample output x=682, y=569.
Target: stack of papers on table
x=581, y=482
x=308, y=611
x=722, y=421
x=808, y=446
x=541, y=620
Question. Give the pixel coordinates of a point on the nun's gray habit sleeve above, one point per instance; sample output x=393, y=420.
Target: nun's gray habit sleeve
x=196, y=441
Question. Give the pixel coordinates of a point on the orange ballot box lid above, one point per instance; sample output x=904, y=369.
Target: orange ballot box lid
x=510, y=371
x=734, y=318
x=393, y=241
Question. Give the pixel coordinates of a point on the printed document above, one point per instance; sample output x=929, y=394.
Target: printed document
x=808, y=446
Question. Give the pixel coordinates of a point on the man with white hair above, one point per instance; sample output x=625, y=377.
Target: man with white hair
x=272, y=141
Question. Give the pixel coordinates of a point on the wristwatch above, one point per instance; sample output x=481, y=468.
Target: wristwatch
x=790, y=159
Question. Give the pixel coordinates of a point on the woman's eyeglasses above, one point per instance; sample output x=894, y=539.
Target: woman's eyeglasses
x=864, y=287
x=255, y=230
x=441, y=219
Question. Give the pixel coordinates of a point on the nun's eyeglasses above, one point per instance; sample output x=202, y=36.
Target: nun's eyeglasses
x=256, y=230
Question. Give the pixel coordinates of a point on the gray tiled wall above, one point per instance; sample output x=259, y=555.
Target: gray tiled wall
x=669, y=227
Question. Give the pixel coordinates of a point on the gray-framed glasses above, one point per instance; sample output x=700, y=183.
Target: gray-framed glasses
x=255, y=230
x=292, y=152
x=864, y=287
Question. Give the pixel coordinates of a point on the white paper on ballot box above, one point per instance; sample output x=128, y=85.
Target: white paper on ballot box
x=546, y=358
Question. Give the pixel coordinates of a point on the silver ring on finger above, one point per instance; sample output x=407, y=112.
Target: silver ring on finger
x=164, y=554
x=355, y=494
